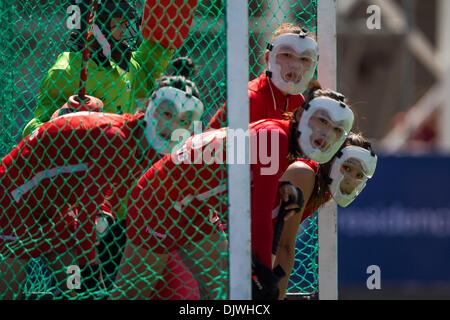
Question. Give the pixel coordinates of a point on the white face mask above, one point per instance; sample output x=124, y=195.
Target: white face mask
x=181, y=102
x=300, y=46
x=338, y=115
x=348, y=156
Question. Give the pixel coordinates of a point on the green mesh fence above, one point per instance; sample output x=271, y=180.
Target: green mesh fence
x=34, y=58
x=264, y=17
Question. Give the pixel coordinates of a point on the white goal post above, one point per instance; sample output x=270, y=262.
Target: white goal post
x=239, y=174
x=327, y=217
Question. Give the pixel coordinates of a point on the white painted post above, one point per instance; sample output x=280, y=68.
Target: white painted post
x=238, y=174
x=327, y=217
x=443, y=55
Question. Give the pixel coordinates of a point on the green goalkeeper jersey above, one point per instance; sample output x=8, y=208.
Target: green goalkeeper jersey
x=119, y=90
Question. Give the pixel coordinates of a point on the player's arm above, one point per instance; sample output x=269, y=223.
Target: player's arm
x=164, y=28
x=54, y=90
x=148, y=63
x=300, y=175
x=266, y=172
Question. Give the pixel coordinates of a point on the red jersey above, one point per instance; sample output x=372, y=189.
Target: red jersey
x=93, y=105
x=183, y=196
x=266, y=101
x=67, y=162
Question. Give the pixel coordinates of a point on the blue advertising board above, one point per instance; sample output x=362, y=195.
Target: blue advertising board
x=400, y=222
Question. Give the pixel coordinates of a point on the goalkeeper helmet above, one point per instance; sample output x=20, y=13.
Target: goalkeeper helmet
x=105, y=47
x=117, y=50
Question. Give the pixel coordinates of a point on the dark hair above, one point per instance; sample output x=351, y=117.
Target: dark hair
x=357, y=139
x=183, y=68
x=315, y=90
x=289, y=28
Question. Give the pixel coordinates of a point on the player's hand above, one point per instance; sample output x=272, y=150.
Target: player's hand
x=265, y=280
x=292, y=199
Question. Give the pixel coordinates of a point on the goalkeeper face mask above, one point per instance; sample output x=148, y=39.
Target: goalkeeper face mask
x=170, y=117
x=115, y=32
x=350, y=170
x=292, y=61
x=116, y=50
x=324, y=125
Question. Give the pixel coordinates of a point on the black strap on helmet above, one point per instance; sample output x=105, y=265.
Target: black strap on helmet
x=324, y=175
x=305, y=105
x=367, y=145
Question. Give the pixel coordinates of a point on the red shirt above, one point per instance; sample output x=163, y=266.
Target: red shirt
x=266, y=101
x=67, y=162
x=174, y=202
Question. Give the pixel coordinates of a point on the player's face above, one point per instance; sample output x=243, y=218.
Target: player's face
x=170, y=120
x=325, y=132
x=119, y=27
x=353, y=173
x=293, y=64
